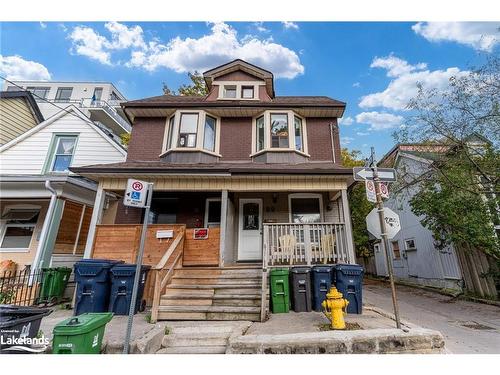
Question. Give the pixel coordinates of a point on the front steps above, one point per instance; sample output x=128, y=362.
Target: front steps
x=206, y=293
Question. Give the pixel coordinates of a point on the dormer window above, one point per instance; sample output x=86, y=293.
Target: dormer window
x=247, y=92
x=278, y=131
x=230, y=92
x=192, y=131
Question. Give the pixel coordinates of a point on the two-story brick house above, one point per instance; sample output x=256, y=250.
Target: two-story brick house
x=262, y=172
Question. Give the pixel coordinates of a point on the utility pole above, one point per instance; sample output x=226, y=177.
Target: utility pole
x=385, y=241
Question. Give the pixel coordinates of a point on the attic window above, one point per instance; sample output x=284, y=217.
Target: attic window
x=247, y=92
x=230, y=92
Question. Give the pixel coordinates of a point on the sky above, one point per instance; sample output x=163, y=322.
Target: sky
x=372, y=66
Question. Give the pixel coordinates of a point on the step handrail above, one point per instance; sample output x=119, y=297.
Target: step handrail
x=160, y=281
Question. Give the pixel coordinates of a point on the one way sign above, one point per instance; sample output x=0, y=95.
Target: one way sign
x=366, y=173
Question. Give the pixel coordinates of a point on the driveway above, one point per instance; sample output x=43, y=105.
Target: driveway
x=467, y=327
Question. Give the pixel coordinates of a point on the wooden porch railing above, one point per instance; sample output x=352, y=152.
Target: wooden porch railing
x=162, y=274
x=288, y=244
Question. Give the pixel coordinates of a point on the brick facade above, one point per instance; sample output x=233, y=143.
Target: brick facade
x=146, y=140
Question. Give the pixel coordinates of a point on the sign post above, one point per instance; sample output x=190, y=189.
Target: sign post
x=138, y=194
x=388, y=175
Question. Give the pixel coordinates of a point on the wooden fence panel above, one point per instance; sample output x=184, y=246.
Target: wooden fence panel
x=202, y=252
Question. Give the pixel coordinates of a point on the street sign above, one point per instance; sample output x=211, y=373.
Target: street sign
x=392, y=223
x=370, y=191
x=365, y=173
x=384, y=190
x=135, y=195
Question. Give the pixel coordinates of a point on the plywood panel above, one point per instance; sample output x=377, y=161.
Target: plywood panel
x=202, y=252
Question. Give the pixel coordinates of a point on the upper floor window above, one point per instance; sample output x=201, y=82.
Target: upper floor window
x=230, y=91
x=39, y=92
x=279, y=131
x=188, y=130
x=396, y=253
x=191, y=131
x=97, y=95
x=114, y=96
x=63, y=152
x=64, y=94
x=247, y=92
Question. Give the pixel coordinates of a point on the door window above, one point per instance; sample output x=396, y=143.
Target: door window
x=251, y=217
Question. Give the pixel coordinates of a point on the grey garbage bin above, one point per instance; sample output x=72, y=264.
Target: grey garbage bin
x=301, y=289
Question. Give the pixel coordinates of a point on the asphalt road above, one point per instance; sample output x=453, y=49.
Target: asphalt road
x=468, y=327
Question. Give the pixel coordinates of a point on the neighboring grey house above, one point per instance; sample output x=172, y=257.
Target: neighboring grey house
x=414, y=256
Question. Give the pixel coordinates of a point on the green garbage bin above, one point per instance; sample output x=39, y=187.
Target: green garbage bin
x=280, y=291
x=54, y=281
x=80, y=334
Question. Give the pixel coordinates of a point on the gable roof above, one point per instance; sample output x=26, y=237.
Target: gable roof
x=68, y=110
x=244, y=66
x=28, y=98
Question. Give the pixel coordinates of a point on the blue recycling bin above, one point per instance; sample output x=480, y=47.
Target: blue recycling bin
x=322, y=282
x=92, y=279
x=348, y=279
x=122, y=284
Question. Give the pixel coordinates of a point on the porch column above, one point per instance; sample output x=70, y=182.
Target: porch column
x=223, y=223
x=348, y=226
x=95, y=220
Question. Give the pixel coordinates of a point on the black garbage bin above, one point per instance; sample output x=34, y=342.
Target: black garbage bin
x=122, y=284
x=349, y=281
x=301, y=289
x=18, y=322
x=321, y=283
x=92, y=285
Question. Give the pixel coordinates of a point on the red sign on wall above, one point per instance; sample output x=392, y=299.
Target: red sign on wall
x=200, y=234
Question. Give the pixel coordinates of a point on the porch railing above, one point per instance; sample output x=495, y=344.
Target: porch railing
x=305, y=244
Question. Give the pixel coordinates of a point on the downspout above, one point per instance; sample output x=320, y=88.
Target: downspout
x=333, y=142
x=46, y=224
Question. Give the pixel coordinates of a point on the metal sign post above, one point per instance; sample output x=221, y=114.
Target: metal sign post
x=385, y=241
x=138, y=268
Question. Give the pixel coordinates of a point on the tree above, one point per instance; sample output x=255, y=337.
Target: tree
x=360, y=207
x=457, y=196
x=197, y=87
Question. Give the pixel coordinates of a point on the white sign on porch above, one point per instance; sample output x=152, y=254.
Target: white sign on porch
x=392, y=223
x=135, y=195
x=370, y=191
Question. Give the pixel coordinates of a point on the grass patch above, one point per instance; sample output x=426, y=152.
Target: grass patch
x=167, y=330
x=348, y=327
x=147, y=317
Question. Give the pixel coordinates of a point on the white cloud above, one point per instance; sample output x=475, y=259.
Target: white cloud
x=290, y=25
x=395, y=66
x=220, y=45
x=346, y=121
x=379, y=120
x=16, y=68
x=356, y=84
x=361, y=134
x=478, y=35
x=260, y=27
x=43, y=25
x=217, y=47
x=404, y=85
x=346, y=140
x=87, y=42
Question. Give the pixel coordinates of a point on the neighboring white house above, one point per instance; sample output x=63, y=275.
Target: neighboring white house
x=414, y=256
x=45, y=209
x=100, y=101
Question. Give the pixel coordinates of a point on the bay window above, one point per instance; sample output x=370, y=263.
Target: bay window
x=279, y=131
x=188, y=130
x=170, y=134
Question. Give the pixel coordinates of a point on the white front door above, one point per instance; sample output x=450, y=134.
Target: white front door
x=250, y=229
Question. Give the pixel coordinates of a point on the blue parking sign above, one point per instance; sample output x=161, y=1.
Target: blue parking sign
x=136, y=195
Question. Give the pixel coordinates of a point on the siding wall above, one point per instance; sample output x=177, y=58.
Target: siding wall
x=16, y=118
x=28, y=156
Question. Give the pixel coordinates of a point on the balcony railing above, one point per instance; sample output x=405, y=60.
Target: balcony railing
x=305, y=244
x=108, y=109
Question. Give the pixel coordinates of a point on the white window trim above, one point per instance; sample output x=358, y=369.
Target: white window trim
x=207, y=204
x=305, y=195
x=200, y=134
x=56, y=145
x=291, y=133
x=4, y=227
x=406, y=244
x=239, y=85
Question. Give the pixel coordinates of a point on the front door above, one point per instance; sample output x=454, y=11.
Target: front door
x=250, y=230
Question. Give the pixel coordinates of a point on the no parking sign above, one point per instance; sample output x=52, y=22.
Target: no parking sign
x=135, y=195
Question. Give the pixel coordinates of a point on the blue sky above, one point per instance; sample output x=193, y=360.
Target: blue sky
x=373, y=67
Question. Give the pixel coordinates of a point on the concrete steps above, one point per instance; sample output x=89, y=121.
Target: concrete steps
x=210, y=293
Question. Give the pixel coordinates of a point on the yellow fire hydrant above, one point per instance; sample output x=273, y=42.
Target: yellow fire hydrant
x=334, y=307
